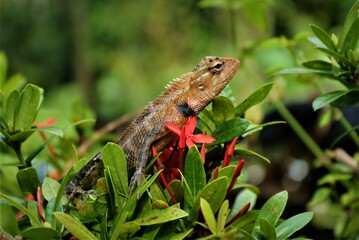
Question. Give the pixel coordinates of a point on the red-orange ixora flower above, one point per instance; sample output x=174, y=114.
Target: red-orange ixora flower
x=39, y=201
x=186, y=134
x=47, y=123
x=27, y=198
x=229, y=152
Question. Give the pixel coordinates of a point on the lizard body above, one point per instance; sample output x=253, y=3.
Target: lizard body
x=184, y=97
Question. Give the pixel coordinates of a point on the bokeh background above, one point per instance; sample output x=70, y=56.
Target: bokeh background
x=103, y=59
x=117, y=55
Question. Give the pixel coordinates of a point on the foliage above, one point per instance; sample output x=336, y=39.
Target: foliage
x=186, y=201
x=110, y=212
x=342, y=65
x=343, y=53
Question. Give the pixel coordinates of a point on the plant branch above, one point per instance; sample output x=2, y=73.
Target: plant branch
x=342, y=156
x=109, y=127
x=302, y=134
x=349, y=128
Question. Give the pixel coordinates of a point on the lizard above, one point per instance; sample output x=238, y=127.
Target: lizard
x=184, y=97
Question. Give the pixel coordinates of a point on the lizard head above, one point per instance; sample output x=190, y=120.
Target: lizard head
x=208, y=79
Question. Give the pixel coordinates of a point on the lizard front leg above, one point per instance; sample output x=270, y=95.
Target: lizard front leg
x=144, y=149
x=85, y=179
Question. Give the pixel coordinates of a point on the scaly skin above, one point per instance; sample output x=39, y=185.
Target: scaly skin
x=184, y=97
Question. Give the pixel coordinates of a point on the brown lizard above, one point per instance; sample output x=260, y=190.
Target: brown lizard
x=184, y=97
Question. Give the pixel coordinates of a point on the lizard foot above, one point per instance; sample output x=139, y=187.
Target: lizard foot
x=80, y=192
x=136, y=179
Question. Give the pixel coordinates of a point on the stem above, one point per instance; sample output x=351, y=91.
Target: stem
x=347, y=126
x=298, y=129
x=17, y=149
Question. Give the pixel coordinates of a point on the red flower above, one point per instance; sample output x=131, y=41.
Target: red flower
x=229, y=152
x=186, y=134
x=48, y=123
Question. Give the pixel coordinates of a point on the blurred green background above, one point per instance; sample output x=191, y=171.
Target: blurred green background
x=103, y=59
x=116, y=56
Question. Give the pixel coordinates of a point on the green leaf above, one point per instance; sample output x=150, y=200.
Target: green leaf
x=258, y=96
x=21, y=136
x=230, y=129
x=128, y=229
x=128, y=209
x=157, y=193
x=318, y=64
x=10, y=108
x=332, y=178
x=222, y=216
x=223, y=110
x=114, y=197
x=248, y=152
x=228, y=93
x=32, y=207
x=352, y=15
x=49, y=211
x=214, y=193
x=114, y=157
x=323, y=37
x=59, y=195
x=177, y=189
x=253, y=128
x=152, y=231
x=50, y=187
x=244, y=197
x=208, y=216
x=27, y=107
x=34, y=219
x=182, y=235
x=266, y=229
x=246, y=219
x=41, y=233
x=349, y=99
x=319, y=196
x=157, y=216
x=271, y=210
x=28, y=180
x=337, y=56
x=205, y=121
x=246, y=234
x=52, y=130
x=293, y=224
x=338, y=97
x=194, y=171
x=88, y=211
x=351, y=41
x=74, y=226
x=227, y=171
x=328, y=73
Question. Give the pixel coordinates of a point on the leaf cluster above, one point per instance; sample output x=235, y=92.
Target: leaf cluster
x=202, y=208
x=342, y=63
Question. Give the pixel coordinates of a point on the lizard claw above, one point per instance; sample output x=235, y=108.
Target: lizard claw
x=136, y=179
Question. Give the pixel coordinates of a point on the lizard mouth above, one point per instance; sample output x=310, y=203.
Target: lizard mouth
x=230, y=67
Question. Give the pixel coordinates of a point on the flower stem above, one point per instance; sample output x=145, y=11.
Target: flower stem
x=347, y=126
x=298, y=129
x=17, y=149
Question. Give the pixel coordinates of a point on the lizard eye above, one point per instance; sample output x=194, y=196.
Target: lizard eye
x=217, y=67
x=201, y=87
